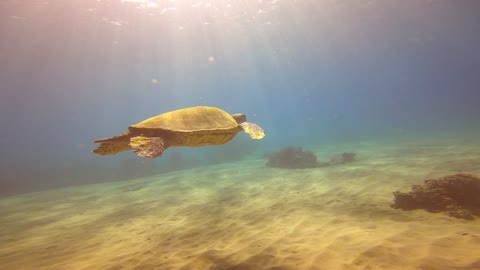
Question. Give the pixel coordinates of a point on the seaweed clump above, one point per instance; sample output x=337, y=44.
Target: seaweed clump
x=292, y=157
x=457, y=195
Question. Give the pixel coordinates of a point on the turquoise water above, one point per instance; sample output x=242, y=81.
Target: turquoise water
x=308, y=72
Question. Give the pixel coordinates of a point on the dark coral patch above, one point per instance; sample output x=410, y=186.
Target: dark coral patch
x=342, y=159
x=458, y=195
x=292, y=157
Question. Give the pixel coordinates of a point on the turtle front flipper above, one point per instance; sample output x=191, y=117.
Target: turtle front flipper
x=253, y=130
x=150, y=147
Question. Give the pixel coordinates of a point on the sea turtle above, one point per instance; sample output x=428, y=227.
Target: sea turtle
x=194, y=126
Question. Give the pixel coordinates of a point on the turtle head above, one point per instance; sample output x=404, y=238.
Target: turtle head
x=239, y=117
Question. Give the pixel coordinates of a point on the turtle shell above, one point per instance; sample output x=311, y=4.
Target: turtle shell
x=200, y=118
x=195, y=126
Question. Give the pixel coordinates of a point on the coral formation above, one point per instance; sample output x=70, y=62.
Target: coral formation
x=342, y=159
x=458, y=195
x=292, y=157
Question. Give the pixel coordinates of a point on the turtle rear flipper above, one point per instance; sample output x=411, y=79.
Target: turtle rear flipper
x=253, y=130
x=113, y=145
x=150, y=147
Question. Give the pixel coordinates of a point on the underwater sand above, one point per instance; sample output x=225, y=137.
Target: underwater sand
x=246, y=216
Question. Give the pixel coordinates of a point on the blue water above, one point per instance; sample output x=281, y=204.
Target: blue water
x=308, y=72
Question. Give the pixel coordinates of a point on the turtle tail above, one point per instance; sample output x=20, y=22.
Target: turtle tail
x=113, y=145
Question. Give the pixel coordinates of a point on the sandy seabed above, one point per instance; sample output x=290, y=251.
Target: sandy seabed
x=246, y=216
